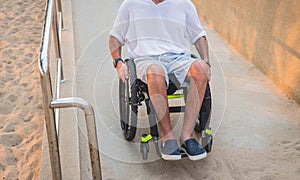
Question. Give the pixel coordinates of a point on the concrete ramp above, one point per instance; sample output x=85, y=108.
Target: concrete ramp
x=256, y=127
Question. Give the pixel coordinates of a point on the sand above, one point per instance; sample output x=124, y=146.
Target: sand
x=21, y=114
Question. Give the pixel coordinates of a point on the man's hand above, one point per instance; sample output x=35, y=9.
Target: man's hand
x=122, y=71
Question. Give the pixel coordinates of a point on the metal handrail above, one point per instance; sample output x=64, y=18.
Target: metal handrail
x=50, y=103
x=91, y=128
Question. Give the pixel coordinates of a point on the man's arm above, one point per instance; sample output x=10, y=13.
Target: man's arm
x=202, y=48
x=115, y=47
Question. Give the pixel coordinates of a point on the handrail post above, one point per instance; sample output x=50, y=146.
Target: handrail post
x=57, y=93
x=60, y=13
x=50, y=127
x=57, y=38
x=93, y=146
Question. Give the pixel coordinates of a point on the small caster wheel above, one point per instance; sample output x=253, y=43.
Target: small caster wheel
x=208, y=146
x=207, y=140
x=145, y=145
x=145, y=150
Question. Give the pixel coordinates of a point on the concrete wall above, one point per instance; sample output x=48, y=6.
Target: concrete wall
x=266, y=32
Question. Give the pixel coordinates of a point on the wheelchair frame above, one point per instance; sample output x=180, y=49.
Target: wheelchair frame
x=131, y=95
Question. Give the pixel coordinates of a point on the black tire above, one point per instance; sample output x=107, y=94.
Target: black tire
x=205, y=111
x=124, y=104
x=128, y=102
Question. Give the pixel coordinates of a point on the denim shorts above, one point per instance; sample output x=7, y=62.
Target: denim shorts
x=176, y=67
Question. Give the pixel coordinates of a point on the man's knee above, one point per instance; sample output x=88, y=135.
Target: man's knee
x=155, y=71
x=156, y=78
x=199, y=71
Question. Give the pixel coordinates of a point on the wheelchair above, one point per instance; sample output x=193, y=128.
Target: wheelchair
x=134, y=92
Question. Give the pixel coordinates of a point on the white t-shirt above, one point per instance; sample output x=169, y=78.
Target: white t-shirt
x=154, y=29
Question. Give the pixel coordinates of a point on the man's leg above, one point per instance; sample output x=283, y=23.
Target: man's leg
x=158, y=95
x=197, y=77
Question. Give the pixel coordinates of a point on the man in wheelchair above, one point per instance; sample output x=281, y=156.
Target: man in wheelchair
x=158, y=34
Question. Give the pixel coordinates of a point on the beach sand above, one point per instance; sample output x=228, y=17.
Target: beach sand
x=21, y=114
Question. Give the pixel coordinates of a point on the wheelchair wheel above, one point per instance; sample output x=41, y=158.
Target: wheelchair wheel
x=128, y=102
x=204, y=114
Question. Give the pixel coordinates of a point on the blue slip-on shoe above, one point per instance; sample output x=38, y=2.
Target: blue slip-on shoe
x=193, y=150
x=170, y=150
